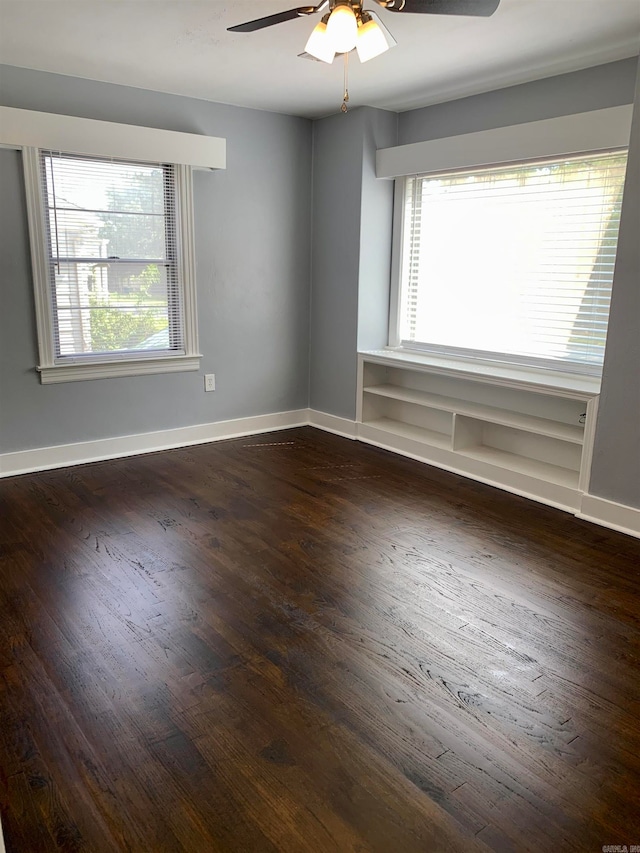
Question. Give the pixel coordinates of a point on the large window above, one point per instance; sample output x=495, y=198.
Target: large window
x=111, y=266
x=513, y=262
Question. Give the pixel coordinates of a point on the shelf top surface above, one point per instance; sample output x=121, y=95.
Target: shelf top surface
x=514, y=375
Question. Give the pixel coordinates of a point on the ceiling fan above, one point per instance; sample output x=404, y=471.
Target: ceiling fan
x=347, y=25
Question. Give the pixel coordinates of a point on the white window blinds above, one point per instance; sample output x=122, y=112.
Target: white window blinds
x=513, y=262
x=113, y=257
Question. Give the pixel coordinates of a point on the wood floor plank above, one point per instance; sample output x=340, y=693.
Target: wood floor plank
x=293, y=642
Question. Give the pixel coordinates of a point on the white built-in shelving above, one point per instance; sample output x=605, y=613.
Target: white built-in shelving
x=528, y=432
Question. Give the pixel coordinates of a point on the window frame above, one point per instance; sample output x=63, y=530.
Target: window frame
x=488, y=357
x=109, y=365
x=597, y=130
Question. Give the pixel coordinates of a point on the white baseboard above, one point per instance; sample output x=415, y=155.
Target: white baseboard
x=625, y=519
x=63, y=455
x=79, y=453
x=597, y=510
x=332, y=423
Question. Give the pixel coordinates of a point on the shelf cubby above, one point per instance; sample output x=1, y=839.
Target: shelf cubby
x=535, y=455
x=514, y=431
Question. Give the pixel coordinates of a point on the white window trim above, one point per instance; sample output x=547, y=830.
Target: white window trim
x=599, y=130
x=103, y=367
x=582, y=132
x=90, y=137
x=397, y=241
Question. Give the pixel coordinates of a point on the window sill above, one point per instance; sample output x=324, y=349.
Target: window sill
x=52, y=374
x=513, y=375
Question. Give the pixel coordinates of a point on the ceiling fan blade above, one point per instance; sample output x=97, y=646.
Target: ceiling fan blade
x=478, y=8
x=269, y=21
x=279, y=18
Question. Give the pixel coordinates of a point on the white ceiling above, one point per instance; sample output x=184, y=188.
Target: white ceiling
x=182, y=46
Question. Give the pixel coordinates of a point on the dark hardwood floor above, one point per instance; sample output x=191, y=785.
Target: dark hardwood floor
x=295, y=642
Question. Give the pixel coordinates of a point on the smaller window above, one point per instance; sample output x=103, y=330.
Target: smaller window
x=114, y=293
x=512, y=263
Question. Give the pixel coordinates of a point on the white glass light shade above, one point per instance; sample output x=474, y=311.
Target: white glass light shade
x=342, y=29
x=319, y=44
x=371, y=41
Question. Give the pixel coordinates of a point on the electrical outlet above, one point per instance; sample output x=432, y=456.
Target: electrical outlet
x=209, y=382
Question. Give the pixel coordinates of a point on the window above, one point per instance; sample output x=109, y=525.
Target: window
x=512, y=263
x=112, y=258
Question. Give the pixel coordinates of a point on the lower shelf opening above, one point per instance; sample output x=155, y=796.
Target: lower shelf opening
x=524, y=465
x=416, y=433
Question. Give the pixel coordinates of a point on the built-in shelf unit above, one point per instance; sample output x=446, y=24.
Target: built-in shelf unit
x=524, y=431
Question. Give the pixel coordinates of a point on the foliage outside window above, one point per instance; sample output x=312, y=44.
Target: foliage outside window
x=112, y=256
x=112, y=274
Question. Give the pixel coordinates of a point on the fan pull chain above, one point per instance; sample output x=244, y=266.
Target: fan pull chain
x=345, y=97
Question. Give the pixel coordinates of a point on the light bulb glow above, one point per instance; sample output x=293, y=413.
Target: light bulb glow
x=319, y=44
x=371, y=41
x=342, y=29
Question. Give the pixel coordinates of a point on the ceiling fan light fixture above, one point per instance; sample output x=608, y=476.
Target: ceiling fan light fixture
x=371, y=41
x=342, y=28
x=319, y=44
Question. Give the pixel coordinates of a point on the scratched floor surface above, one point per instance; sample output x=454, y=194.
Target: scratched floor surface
x=294, y=642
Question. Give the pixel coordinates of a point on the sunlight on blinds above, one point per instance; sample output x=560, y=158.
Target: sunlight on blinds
x=113, y=256
x=514, y=260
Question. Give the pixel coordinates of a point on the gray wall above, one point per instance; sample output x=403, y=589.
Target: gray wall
x=596, y=88
x=352, y=215
x=615, y=473
x=253, y=278
x=337, y=185
x=380, y=130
